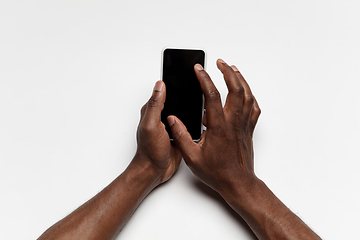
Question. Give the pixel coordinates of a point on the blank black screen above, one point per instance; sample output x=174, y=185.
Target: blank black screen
x=184, y=97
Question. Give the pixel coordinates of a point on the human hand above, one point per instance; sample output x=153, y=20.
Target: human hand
x=224, y=156
x=153, y=141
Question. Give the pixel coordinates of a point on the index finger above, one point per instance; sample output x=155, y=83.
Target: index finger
x=212, y=96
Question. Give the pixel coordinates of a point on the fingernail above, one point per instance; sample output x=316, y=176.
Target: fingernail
x=171, y=121
x=235, y=68
x=158, y=86
x=199, y=67
x=221, y=61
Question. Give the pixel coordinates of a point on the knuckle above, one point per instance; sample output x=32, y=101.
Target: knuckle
x=214, y=95
x=145, y=128
x=153, y=102
x=239, y=90
x=250, y=100
x=202, y=74
x=257, y=111
x=177, y=135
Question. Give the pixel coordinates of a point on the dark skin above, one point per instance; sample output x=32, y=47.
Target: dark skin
x=223, y=160
x=224, y=157
x=155, y=161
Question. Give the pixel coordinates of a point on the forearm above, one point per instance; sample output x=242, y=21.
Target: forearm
x=103, y=216
x=266, y=215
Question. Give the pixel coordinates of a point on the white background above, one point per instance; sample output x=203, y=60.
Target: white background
x=74, y=75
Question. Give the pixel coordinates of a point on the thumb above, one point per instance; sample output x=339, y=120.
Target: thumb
x=155, y=105
x=182, y=138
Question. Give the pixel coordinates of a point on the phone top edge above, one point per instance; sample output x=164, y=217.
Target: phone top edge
x=184, y=48
x=181, y=48
x=190, y=48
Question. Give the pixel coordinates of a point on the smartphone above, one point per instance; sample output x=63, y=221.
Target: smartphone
x=184, y=97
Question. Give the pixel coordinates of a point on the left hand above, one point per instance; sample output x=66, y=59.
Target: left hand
x=153, y=141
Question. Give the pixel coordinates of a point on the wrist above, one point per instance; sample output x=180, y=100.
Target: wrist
x=143, y=170
x=265, y=214
x=240, y=192
x=257, y=205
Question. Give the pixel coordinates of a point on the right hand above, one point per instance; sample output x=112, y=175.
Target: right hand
x=223, y=159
